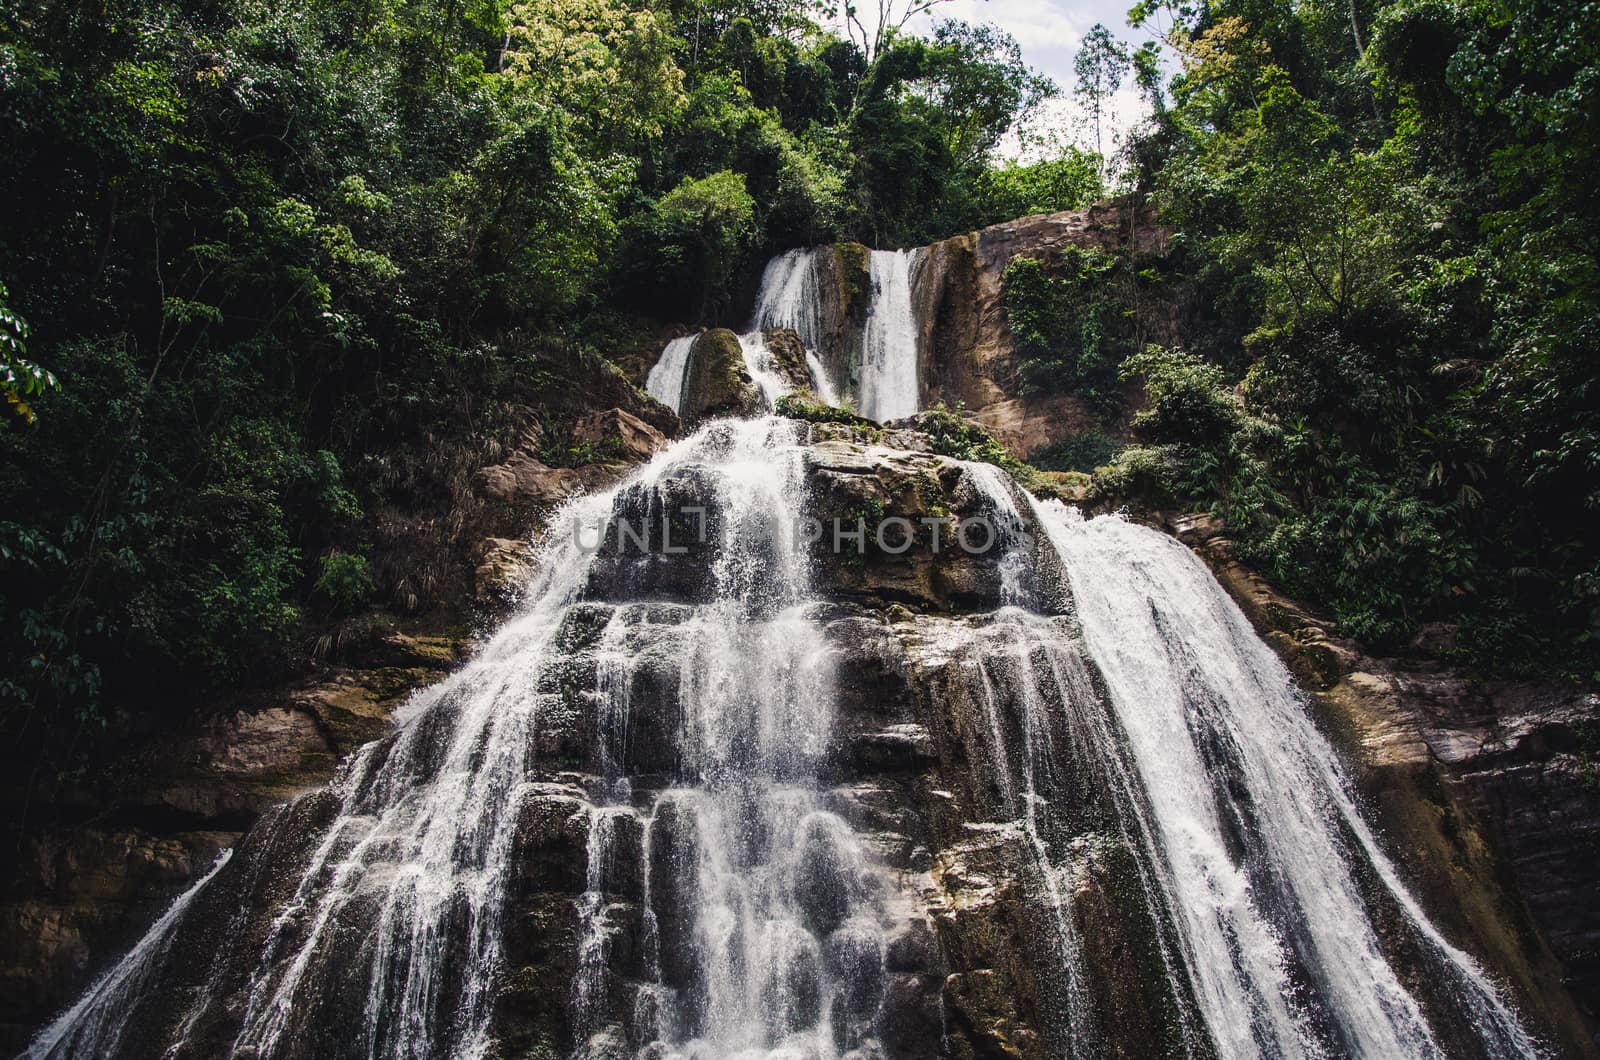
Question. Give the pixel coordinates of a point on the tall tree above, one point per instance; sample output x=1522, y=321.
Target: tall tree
x=1100, y=65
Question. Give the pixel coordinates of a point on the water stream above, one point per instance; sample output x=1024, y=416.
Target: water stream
x=889, y=373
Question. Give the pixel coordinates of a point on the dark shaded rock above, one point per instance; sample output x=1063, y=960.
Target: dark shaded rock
x=717, y=382
x=674, y=844
x=661, y=539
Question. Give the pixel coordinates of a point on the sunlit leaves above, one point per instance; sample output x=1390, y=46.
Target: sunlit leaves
x=20, y=378
x=610, y=64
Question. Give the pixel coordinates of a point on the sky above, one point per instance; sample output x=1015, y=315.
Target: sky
x=1049, y=32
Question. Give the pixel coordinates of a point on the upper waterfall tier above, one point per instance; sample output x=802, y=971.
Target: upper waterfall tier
x=890, y=387
x=862, y=351
x=892, y=332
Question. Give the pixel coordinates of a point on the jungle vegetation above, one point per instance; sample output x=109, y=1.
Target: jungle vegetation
x=249, y=247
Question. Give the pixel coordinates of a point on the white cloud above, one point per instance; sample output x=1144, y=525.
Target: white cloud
x=1039, y=25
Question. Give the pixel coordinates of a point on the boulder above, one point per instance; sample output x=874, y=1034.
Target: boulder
x=788, y=355
x=524, y=479
x=718, y=383
x=634, y=440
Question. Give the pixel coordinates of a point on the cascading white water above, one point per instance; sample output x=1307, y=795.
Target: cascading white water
x=758, y=362
x=791, y=297
x=94, y=1025
x=762, y=914
x=667, y=375
x=1225, y=754
x=670, y=374
x=889, y=372
x=1002, y=656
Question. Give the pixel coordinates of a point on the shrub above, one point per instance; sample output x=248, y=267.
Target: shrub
x=1081, y=452
x=346, y=581
x=801, y=407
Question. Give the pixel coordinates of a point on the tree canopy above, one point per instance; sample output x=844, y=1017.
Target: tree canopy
x=265, y=247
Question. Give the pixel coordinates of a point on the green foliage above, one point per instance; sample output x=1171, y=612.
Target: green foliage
x=1069, y=182
x=1070, y=324
x=1186, y=396
x=1389, y=387
x=20, y=378
x=708, y=222
x=1081, y=452
x=278, y=254
x=925, y=118
x=953, y=435
x=1149, y=472
x=346, y=581
x=799, y=407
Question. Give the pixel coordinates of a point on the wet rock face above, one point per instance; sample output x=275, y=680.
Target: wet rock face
x=717, y=382
x=912, y=917
x=958, y=960
x=883, y=526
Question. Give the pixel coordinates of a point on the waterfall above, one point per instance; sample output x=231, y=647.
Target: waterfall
x=94, y=1026
x=763, y=912
x=667, y=375
x=763, y=918
x=651, y=810
x=791, y=297
x=890, y=385
x=758, y=362
x=1226, y=756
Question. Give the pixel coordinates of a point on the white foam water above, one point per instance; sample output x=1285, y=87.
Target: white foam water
x=890, y=387
x=1248, y=810
x=667, y=375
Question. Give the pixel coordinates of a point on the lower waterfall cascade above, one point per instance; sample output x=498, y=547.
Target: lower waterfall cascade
x=803, y=747
x=677, y=717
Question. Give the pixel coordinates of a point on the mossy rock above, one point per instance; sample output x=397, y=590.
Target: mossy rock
x=856, y=272
x=718, y=383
